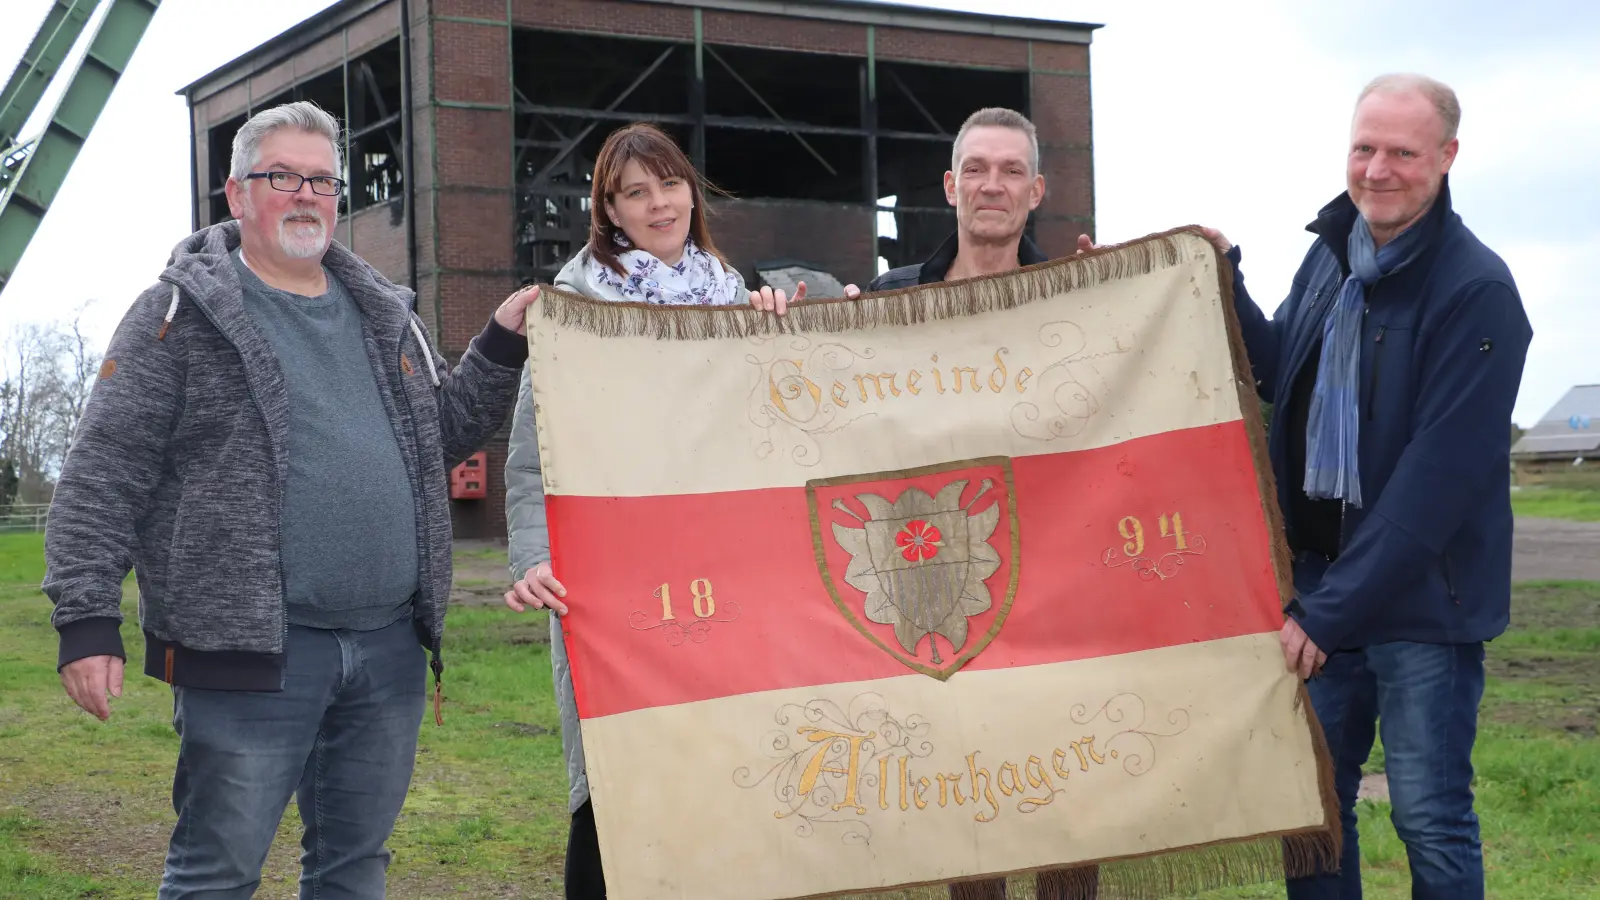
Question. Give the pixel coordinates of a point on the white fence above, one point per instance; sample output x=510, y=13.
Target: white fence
x=24, y=517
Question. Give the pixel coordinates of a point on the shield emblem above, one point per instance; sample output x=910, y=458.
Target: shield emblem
x=923, y=562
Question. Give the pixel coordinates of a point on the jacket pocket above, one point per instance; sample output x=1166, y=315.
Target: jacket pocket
x=1449, y=579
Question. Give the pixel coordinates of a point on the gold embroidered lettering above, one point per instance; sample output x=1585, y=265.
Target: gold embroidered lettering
x=987, y=791
x=877, y=384
x=997, y=378
x=1012, y=785
x=1037, y=778
x=818, y=764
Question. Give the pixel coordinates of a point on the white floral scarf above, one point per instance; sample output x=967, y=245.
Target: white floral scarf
x=697, y=280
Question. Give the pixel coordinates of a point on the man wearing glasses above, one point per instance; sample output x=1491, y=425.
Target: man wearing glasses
x=268, y=447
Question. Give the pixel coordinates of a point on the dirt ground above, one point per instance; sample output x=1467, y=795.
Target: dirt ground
x=1554, y=549
x=480, y=572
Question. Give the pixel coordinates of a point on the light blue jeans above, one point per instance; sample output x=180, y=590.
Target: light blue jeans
x=341, y=736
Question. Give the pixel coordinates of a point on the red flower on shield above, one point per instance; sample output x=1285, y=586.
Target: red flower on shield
x=918, y=541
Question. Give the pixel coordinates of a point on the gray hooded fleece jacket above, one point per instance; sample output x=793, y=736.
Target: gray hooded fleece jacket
x=178, y=467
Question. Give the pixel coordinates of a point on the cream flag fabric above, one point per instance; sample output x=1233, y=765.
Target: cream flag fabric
x=974, y=584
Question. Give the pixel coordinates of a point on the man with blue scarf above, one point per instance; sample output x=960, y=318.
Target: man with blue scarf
x=1392, y=368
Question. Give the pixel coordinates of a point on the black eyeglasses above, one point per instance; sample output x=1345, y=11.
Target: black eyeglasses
x=289, y=182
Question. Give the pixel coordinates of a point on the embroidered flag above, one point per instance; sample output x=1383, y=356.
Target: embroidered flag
x=970, y=581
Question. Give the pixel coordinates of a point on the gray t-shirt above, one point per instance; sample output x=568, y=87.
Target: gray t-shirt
x=349, y=517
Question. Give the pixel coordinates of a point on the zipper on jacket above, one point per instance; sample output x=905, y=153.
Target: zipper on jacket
x=437, y=664
x=1377, y=359
x=1343, y=505
x=283, y=578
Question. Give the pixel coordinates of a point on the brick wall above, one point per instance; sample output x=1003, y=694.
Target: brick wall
x=471, y=63
x=1051, y=57
x=471, y=234
x=837, y=237
x=606, y=17
x=813, y=35
x=914, y=45
x=1061, y=112
x=471, y=9
x=378, y=235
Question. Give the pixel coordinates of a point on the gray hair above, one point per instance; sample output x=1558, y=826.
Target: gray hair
x=999, y=117
x=1435, y=92
x=302, y=115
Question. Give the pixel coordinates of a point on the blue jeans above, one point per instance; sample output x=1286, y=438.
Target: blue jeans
x=341, y=736
x=1423, y=699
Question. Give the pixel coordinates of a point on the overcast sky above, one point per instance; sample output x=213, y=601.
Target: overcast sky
x=1233, y=115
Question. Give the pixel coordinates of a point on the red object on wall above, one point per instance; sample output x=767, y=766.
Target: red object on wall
x=470, y=480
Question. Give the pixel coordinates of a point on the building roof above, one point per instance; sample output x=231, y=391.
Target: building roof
x=905, y=15
x=1570, y=428
x=863, y=12
x=286, y=43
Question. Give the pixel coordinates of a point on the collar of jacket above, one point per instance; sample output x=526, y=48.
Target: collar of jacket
x=1334, y=221
x=937, y=265
x=202, y=267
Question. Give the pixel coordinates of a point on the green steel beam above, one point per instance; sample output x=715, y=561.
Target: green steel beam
x=35, y=183
x=39, y=64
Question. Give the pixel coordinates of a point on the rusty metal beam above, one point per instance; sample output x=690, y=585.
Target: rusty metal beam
x=578, y=139
x=770, y=111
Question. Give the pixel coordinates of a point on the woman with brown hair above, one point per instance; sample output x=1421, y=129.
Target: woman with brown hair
x=648, y=240
x=648, y=243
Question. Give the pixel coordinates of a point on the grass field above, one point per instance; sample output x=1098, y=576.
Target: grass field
x=84, y=808
x=1558, y=493
x=1578, y=504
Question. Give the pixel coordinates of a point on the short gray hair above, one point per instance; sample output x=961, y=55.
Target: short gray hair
x=999, y=117
x=302, y=115
x=1435, y=92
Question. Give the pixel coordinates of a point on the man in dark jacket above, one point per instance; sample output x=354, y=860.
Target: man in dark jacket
x=1392, y=368
x=268, y=447
x=993, y=183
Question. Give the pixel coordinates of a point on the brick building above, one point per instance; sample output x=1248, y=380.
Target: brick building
x=828, y=122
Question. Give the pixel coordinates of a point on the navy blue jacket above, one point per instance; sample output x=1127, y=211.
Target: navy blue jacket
x=1427, y=558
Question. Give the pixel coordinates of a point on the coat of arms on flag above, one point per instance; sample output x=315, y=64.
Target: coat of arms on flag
x=920, y=558
x=973, y=582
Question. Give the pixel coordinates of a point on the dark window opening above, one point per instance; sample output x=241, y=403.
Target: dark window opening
x=574, y=71
x=220, y=143
x=776, y=164
x=799, y=88
x=572, y=91
x=936, y=100
x=552, y=212
x=373, y=127
x=920, y=218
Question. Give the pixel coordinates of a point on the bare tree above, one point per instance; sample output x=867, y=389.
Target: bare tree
x=49, y=369
x=82, y=366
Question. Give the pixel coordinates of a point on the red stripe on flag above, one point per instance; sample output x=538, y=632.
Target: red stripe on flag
x=1149, y=543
